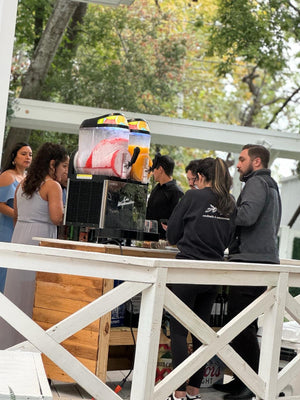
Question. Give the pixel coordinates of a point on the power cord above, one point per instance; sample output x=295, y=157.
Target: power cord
x=113, y=241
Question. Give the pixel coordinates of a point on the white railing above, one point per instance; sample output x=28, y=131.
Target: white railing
x=150, y=276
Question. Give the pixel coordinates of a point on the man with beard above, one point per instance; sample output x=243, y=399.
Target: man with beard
x=257, y=222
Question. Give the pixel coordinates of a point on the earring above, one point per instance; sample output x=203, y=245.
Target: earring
x=13, y=163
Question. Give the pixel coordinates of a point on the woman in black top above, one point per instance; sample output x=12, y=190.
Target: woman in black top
x=201, y=227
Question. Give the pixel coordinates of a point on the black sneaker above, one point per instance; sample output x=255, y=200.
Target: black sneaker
x=234, y=386
x=244, y=394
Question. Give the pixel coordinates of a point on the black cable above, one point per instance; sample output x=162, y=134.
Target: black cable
x=113, y=241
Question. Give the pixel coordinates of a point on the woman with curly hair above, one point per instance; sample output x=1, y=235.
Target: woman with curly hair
x=38, y=208
x=38, y=200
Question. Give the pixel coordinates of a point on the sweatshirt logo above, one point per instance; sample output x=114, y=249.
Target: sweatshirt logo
x=211, y=209
x=212, y=212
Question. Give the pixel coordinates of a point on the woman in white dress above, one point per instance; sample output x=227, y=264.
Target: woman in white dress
x=38, y=210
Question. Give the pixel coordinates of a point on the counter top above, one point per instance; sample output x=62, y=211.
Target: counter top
x=108, y=248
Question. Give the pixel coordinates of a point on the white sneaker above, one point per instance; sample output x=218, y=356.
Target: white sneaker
x=189, y=397
x=172, y=397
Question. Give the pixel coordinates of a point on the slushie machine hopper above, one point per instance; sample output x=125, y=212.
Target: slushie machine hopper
x=108, y=178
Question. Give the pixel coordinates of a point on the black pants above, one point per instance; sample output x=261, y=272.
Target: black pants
x=246, y=343
x=200, y=299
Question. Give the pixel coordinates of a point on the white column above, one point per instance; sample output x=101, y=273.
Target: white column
x=286, y=242
x=236, y=183
x=8, y=12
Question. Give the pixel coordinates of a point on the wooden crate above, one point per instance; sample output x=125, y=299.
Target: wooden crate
x=56, y=297
x=59, y=295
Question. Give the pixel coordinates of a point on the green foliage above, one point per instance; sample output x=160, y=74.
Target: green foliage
x=256, y=31
x=31, y=21
x=37, y=138
x=12, y=395
x=296, y=249
x=182, y=156
x=295, y=291
x=172, y=57
x=127, y=58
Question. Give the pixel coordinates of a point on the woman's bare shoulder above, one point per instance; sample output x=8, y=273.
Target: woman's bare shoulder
x=7, y=178
x=51, y=184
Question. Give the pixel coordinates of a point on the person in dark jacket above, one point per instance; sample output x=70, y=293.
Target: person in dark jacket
x=165, y=195
x=191, y=173
x=257, y=223
x=201, y=227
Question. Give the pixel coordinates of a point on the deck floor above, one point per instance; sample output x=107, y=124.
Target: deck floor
x=68, y=391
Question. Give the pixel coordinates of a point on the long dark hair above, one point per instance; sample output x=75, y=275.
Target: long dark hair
x=40, y=165
x=216, y=171
x=13, y=154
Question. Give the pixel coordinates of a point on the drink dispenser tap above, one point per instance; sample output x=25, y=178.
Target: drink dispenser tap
x=139, y=137
x=134, y=157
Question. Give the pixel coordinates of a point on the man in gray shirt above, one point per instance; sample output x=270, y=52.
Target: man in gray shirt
x=257, y=222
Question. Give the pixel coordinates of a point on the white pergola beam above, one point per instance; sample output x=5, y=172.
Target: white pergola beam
x=56, y=117
x=8, y=12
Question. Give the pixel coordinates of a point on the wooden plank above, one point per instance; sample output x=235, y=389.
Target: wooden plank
x=104, y=334
x=53, y=317
x=122, y=336
x=83, y=344
x=98, y=308
x=72, y=245
x=73, y=292
x=65, y=279
x=141, y=252
x=109, y=249
x=59, y=304
x=85, y=336
x=56, y=373
x=81, y=350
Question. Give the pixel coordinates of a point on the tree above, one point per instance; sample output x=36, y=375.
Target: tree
x=122, y=58
x=128, y=58
x=260, y=36
x=256, y=36
x=221, y=61
x=44, y=53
